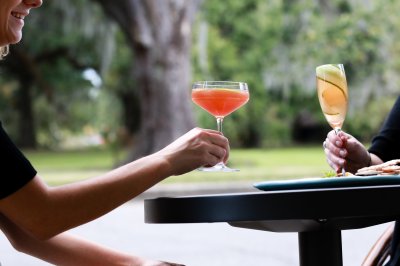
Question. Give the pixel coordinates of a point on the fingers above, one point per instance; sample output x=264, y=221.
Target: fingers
x=211, y=159
x=217, y=138
x=334, y=166
x=339, y=140
x=216, y=145
x=335, y=162
x=221, y=147
x=215, y=154
x=334, y=146
x=335, y=149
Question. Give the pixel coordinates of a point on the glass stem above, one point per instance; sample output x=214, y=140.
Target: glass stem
x=337, y=130
x=219, y=123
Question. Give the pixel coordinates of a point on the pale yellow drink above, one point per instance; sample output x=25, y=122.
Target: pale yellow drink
x=332, y=93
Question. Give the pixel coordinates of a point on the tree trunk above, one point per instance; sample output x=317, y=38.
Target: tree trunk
x=20, y=62
x=130, y=111
x=159, y=32
x=26, y=126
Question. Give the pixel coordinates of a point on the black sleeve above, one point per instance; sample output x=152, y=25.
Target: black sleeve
x=386, y=144
x=16, y=170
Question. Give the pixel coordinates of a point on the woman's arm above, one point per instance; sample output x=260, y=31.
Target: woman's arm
x=44, y=212
x=65, y=249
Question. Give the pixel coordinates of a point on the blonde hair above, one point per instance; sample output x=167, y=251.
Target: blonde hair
x=3, y=51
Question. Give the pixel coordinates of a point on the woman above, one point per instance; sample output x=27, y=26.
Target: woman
x=34, y=216
x=343, y=150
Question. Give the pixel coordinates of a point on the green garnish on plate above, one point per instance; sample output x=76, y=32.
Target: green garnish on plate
x=330, y=174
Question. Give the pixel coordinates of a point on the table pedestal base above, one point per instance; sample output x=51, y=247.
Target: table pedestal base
x=318, y=248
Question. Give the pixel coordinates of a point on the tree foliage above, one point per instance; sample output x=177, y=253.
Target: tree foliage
x=61, y=41
x=272, y=45
x=276, y=45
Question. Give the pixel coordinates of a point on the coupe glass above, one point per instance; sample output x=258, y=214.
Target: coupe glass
x=219, y=98
x=332, y=94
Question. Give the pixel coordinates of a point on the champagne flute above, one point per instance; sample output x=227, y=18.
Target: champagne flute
x=332, y=94
x=219, y=98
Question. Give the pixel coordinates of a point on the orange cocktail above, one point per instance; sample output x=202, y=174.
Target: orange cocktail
x=220, y=98
x=220, y=102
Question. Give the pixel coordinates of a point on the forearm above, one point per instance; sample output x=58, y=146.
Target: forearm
x=79, y=203
x=64, y=249
x=50, y=211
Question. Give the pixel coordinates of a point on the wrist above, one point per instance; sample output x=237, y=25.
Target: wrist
x=369, y=162
x=163, y=167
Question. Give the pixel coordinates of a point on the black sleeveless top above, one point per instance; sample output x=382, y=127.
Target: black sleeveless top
x=386, y=145
x=16, y=171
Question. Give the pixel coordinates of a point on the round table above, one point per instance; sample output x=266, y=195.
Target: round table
x=318, y=215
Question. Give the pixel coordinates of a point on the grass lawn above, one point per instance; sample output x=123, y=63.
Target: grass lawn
x=254, y=164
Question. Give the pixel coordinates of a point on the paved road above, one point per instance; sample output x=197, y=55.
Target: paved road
x=198, y=244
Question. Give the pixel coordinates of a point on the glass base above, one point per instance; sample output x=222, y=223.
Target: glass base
x=219, y=167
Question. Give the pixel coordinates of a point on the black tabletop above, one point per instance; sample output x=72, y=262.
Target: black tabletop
x=283, y=211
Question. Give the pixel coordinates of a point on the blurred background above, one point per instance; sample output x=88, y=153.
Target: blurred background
x=94, y=84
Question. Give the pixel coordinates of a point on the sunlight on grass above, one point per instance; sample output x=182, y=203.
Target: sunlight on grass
x=254, y=164
x=63, y=167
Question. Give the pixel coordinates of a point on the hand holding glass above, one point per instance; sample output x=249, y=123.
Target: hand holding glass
x=220, y=98
x=332, y=94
